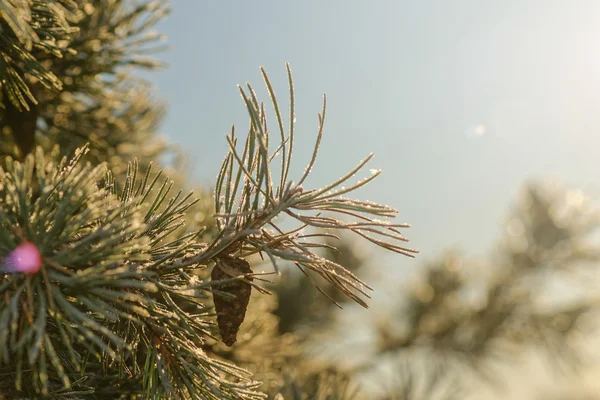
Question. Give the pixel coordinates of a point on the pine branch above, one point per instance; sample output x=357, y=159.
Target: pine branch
x=117, y=294
x=94, y=298
x=29, y=29
x=246, y=201
x=75, y=77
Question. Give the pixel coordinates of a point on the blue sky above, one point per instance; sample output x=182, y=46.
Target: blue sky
x=410, y=81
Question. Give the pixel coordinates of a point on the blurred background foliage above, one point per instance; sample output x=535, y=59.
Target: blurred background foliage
x=453, y=328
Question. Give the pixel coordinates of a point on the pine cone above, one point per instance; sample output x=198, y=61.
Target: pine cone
x=231, y=311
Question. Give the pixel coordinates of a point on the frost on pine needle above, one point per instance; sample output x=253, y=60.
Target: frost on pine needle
x=105, y=295
x=248, y=196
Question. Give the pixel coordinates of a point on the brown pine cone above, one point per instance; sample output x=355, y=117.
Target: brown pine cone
x=231, y=311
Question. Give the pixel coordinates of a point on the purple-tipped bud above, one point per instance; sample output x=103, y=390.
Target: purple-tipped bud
x=25, y=258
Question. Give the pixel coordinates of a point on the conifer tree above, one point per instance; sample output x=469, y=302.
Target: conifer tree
x=115, y=284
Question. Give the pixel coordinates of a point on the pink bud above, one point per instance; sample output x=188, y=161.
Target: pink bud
x=25, y=258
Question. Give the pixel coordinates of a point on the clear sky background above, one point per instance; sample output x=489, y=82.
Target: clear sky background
x=410, y=81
